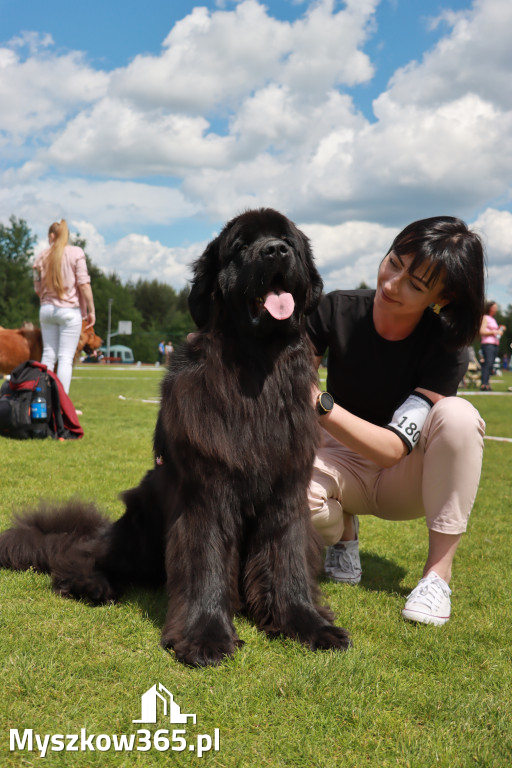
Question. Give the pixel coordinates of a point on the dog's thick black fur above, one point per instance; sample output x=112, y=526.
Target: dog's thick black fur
x=223, y=516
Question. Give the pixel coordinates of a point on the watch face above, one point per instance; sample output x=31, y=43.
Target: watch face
x=325, y=402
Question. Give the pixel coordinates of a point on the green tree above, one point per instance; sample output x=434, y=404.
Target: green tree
x=18, y=301
x=156, y=301
x=165, y=314
x=109, y=291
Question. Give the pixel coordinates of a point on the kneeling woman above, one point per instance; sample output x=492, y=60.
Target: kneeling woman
x=397, y=442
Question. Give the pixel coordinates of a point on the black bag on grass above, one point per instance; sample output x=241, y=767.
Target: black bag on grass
x=17, y=409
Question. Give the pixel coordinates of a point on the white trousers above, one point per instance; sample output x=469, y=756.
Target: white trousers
x=60, y=327
x=438, y=480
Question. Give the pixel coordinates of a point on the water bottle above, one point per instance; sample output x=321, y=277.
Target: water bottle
x=38, y=410
x=38, y=413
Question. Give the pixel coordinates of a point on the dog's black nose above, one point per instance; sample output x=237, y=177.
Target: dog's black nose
x=276, y=248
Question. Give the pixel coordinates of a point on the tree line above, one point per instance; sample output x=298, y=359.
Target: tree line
x=157, y=311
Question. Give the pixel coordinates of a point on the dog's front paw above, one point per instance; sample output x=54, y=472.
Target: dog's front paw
x=209, y=646
x=330, y=637
x=208, y=654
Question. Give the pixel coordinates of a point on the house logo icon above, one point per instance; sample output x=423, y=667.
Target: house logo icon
x=153, y=699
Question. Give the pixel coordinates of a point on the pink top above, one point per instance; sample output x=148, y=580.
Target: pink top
x=491, y=338
x=74, y=273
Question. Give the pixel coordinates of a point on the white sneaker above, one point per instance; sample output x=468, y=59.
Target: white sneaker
x=342, y=561
x=429, y=602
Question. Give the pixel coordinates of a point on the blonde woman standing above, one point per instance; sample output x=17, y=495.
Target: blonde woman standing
x=62, y=282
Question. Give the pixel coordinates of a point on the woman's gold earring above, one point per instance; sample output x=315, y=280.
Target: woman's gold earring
x=437, y=308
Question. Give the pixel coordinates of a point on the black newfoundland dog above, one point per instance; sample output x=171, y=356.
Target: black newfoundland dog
x=222, y=518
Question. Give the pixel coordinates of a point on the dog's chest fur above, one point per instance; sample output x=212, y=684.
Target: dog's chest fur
x=270, y=420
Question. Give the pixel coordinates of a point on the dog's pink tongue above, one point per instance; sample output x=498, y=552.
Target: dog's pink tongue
x=280, y=305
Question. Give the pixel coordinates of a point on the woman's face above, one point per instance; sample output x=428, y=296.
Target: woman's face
x=403, y=293
x=493, y=309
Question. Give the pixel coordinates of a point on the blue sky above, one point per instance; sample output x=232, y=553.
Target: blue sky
x=147, y=125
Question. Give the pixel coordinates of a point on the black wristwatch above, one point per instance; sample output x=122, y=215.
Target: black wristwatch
x=324, y=403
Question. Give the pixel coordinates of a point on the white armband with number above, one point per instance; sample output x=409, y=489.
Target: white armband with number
x=409, y=418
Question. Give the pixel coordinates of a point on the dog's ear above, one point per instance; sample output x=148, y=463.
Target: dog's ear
x=315, y=281
x=202, y=293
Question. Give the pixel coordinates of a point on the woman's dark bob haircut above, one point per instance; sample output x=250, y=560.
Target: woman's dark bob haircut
x=443, y=248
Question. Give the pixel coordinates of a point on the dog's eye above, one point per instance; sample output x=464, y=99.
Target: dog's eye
x=239, y=246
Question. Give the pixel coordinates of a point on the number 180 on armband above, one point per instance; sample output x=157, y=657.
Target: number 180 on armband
x=409, y=418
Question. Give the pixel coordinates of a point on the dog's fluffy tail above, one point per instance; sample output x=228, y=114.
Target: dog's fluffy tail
x=64, y=541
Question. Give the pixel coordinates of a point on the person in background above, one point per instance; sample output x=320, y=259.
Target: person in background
x=161, y=352
x=62, y=282
x=490, y=334
x=396, y=441
x=169, y=349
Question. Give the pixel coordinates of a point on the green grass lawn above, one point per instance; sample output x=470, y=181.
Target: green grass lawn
x=404, y=695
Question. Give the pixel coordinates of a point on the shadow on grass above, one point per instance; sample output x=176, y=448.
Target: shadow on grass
x=381, y=574
x=152, y=603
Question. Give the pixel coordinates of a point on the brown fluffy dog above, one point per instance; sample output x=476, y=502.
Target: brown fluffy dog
x=20, y=344
x=88, y=342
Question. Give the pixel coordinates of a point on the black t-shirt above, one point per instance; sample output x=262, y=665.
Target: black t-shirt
x=370, y=376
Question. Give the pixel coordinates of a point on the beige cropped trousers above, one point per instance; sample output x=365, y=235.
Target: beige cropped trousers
x=438, y=480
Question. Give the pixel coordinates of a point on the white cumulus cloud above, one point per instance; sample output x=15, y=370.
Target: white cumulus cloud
x=239, y=109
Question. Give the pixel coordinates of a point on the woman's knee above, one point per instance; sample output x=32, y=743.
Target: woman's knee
x=328, y=521
x=456, y=421
x=324, y=503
